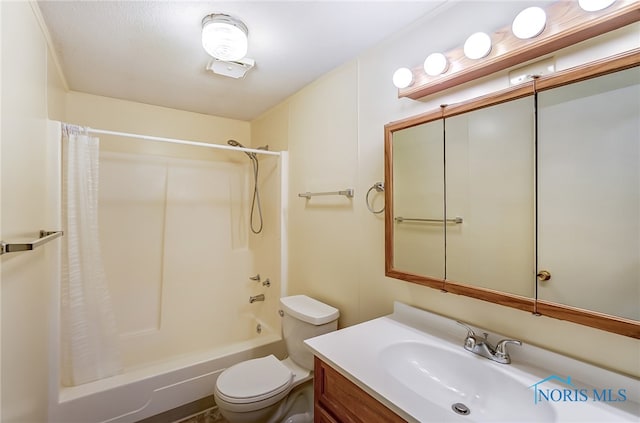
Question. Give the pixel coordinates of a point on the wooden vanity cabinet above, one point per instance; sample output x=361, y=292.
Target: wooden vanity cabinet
x=338, y=400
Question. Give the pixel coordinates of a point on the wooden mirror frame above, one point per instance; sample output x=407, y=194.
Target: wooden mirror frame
x=585, y=317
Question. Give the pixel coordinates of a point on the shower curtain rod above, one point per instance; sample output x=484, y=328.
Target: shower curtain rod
x=183, y=142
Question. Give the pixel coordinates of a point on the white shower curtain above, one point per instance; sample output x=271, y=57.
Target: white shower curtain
x=89, y=337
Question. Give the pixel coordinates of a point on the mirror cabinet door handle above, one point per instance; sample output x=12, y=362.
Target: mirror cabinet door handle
x=544, y=275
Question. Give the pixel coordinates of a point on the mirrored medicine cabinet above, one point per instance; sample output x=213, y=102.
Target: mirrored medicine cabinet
x=528, y=198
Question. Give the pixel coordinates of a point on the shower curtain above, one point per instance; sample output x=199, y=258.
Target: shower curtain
x=89, y=337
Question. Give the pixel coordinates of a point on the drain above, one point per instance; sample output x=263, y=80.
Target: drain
x=460, y=408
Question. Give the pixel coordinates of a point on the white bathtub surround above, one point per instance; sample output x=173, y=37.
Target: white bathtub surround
x=173, y=226
x=413, y=362
x=89, y=338
x=177, y=251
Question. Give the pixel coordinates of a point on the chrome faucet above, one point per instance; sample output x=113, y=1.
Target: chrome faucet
x=255, y=298
x=481, y=346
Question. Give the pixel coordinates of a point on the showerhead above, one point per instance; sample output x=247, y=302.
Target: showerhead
x=235, y=143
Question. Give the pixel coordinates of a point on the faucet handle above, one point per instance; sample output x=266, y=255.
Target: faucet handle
x=501, y=348
x=471, y=339
x=470, y=332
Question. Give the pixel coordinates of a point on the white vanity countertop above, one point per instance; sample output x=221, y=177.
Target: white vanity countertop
x=355, y=352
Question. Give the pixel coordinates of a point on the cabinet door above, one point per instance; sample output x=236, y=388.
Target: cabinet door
x=418, y=200
x=589, y=194
x=489, y=183
x=338, y=400
x=320, y=415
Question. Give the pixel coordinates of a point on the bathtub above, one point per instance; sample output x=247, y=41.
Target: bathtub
x=175, y=341
x=148, y=390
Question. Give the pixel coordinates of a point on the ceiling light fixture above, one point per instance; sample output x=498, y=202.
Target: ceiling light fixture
x=402, y=78
x=477, y=46
x=529, y=23
x=224, y=37
x=594, y=5
x=436, y=64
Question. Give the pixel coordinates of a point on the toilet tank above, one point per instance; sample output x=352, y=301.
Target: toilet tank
x=302, y=318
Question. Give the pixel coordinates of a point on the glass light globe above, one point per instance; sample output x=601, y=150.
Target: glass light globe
x=402, y=78
x=477, y=46
x=594, y=5
x=529, y=23
x=224, y=40
x=436, y=64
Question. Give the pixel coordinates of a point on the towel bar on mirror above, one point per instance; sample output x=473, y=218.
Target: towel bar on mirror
x=14, y=247
x=400, y=219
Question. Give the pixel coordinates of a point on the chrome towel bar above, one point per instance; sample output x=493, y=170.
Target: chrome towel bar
x=45, y=236
x=347, y=193
x=400, y=219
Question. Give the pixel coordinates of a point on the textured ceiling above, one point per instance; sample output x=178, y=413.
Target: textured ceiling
x=150, y=51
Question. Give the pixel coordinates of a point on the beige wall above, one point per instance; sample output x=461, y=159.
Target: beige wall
x=56, y=91
x=26, y=280
x=325, y=232
x=1, y=321
x=334, y=129
x=126, y=116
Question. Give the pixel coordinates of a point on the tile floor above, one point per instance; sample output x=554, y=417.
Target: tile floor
x=211, y=415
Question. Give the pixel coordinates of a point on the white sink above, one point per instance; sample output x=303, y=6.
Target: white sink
x=462, y=383
x=414, y=362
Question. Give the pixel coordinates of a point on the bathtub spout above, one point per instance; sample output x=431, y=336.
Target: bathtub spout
x=255, y=298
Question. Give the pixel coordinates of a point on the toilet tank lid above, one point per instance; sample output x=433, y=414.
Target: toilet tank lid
x=309, y=310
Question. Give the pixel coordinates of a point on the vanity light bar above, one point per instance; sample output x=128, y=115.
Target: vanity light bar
x=567, y=23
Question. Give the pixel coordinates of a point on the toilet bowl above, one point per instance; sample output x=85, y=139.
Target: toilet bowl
x=267, y=390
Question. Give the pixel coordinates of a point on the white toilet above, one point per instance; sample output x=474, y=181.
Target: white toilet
x=266, y=390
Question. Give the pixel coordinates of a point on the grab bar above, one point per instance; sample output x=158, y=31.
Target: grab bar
x=45, y=236
x=347, y=193
x=400, y=219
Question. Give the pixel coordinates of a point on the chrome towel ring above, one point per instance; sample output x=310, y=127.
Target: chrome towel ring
x=379, y=187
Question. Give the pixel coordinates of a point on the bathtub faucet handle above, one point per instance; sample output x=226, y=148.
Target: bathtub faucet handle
x=266, y=283
x=255, y=278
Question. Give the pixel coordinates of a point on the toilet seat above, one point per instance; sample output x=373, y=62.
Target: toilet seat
x=254, y=381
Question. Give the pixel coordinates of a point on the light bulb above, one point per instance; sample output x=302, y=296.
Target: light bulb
x=594, y=5
x=529, y=23
x=477, y=46
x=402, y=78
x=436, y=64
x=224, y=37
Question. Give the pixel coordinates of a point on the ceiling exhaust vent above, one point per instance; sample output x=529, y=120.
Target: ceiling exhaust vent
x=232, y=69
